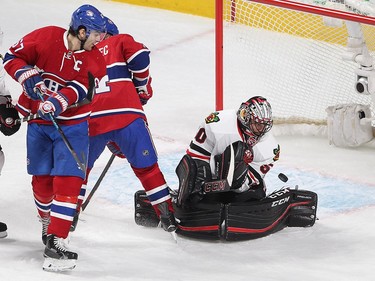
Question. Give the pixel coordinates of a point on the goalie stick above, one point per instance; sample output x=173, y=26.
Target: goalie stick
x=88, y=99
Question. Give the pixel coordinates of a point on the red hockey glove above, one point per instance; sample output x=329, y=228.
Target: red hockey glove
x=115, y=149
x=145, y=92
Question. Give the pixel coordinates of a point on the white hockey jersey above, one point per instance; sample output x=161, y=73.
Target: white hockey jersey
x=219, y=130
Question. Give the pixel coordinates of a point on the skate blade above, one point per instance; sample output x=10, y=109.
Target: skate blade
x=3, y=234
x=55, y=265
x=174, y=236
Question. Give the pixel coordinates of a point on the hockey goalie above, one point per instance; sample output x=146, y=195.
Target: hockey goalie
x=222, y=193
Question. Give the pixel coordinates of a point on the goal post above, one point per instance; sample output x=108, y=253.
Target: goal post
x=303, y=57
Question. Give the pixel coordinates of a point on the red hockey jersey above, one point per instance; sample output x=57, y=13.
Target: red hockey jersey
x=116, y=103
x=61, y=69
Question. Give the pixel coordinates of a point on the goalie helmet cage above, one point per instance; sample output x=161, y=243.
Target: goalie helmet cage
x=292, y=54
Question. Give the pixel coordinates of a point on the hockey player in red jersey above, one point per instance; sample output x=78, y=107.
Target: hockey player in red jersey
x=118, y=118
x=52, y=65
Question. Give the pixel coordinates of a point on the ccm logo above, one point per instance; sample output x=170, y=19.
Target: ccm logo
x=280, y=202
x=214, y=186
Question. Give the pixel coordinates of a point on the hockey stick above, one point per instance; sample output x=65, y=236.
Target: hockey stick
x=88, y=99
x=98, y=182
x=81, y=165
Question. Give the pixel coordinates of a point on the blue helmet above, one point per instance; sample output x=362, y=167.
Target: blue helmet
x=90, y=18
x=111, y=27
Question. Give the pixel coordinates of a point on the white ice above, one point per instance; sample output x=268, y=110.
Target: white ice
x=112, y=247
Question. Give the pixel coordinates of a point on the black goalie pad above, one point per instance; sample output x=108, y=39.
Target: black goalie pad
x=202, y=221
x=199, y=221
x=144, y=212
x=293, y=208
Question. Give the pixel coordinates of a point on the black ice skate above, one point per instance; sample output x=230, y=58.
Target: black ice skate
x=3, y=230
x=167, y=219
x=57, y=257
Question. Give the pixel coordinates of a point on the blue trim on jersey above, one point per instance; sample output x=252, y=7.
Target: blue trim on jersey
x=99, y=115
x=79, y=88
x=118, y=72
x=8, y=57
x=140, y=62
x=158, y=195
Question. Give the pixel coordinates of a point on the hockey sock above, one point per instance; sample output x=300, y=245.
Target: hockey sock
x=43, y=194
x=64, y=204
x=155, y=186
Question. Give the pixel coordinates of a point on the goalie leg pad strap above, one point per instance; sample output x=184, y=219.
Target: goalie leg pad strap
x=295, y=208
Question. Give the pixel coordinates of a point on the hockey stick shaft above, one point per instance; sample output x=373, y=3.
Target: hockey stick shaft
x=81, y=165
x=98, y=182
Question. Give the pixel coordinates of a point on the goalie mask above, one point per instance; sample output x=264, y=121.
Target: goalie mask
x=255, y=119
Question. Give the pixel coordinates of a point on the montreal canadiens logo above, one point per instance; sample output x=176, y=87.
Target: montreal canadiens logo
x=47, y=107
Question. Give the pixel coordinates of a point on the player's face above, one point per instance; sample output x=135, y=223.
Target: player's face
x=94, y=38
x=258, y=128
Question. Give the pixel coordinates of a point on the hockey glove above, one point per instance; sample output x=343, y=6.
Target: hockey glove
x=115, y=149
x=29, y=77
x=8, y=115
x=145, y=92
x=54, y=105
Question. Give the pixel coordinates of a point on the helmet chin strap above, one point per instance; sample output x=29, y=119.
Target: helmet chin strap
x=82, y=41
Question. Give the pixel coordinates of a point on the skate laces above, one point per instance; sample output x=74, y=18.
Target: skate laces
x=45, y=222
x=59, y=244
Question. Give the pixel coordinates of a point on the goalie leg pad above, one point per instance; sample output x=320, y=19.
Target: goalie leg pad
x=144, y=212
x=280, y=209
x=202, y=220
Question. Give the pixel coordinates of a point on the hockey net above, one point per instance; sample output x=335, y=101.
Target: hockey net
x=292, y=57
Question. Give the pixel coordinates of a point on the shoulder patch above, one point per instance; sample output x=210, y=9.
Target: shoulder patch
x=213, y=117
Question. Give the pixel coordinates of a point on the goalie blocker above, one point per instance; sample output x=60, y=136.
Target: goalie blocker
x=236, y=221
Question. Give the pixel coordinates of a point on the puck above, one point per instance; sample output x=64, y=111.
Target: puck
x=283, y=177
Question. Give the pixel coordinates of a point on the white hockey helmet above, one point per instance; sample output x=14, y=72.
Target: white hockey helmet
x=255, y=118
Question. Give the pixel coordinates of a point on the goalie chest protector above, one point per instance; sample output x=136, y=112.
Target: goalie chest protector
x=344, y=125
